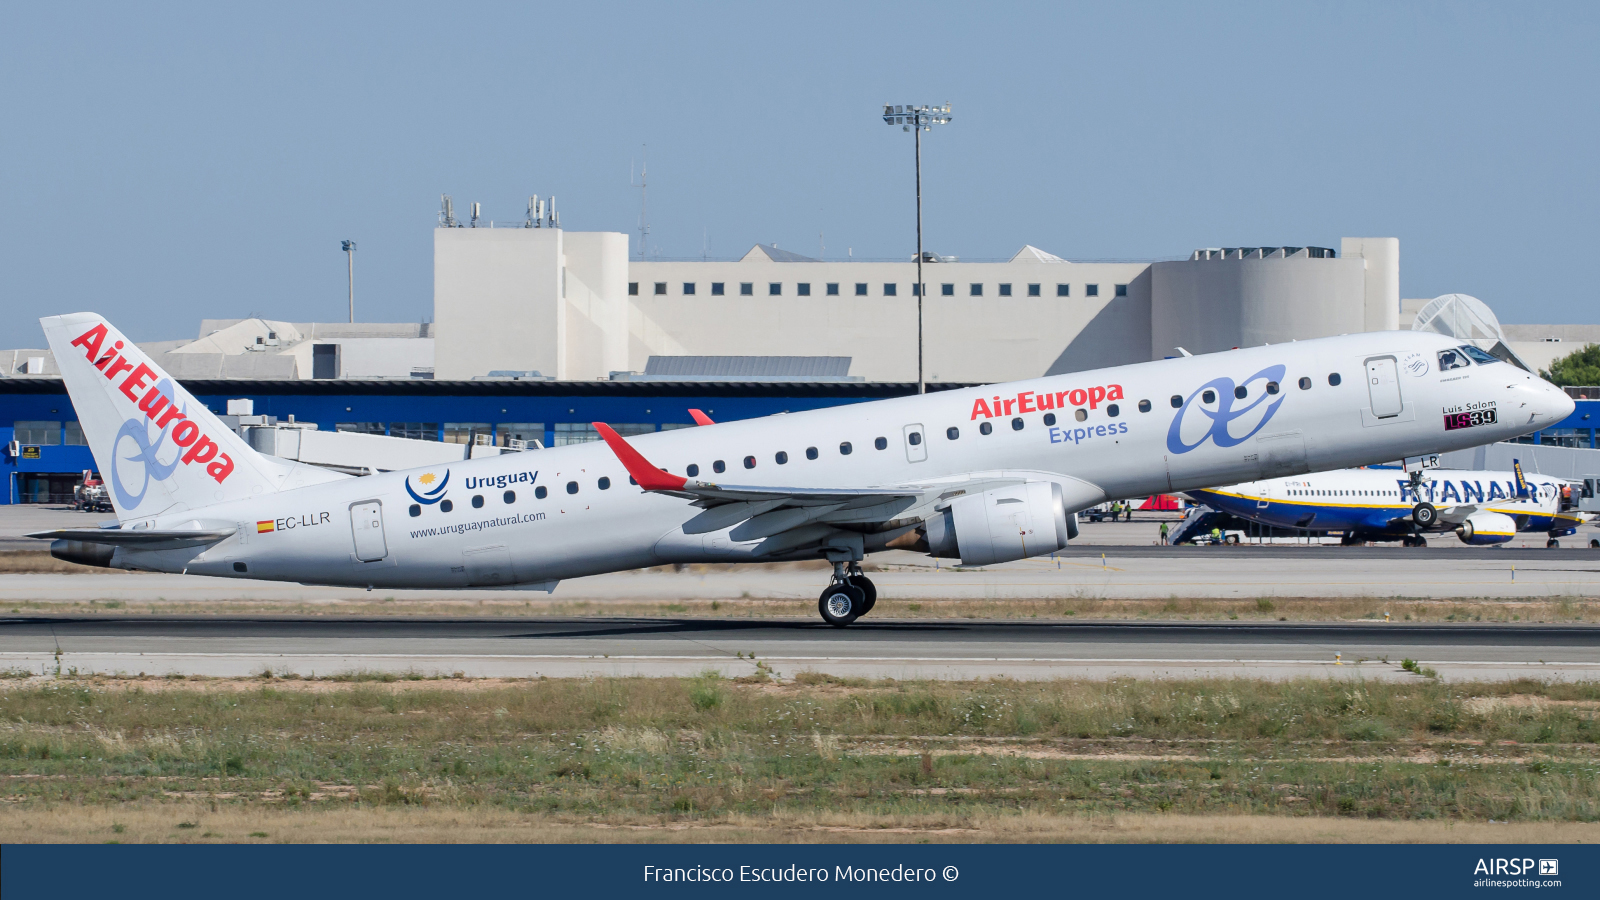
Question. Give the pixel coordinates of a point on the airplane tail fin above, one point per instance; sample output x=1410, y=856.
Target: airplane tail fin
x=158, y=448
x=1523, y=491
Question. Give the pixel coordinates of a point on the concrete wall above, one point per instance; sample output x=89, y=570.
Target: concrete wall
x=497, y=301
x=1381, y=284
x=378, y=357
x=1209, y=305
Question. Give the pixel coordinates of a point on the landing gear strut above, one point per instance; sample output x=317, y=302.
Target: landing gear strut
x=848, y=597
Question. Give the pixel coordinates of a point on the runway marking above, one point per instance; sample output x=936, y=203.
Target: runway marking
x=20, y=654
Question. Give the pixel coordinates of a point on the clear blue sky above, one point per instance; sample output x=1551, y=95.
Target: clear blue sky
x=164, y=163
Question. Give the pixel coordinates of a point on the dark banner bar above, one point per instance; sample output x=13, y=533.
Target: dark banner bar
x=1119, y=871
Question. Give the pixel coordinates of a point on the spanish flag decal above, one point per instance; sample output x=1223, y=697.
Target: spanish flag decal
x=264, y=526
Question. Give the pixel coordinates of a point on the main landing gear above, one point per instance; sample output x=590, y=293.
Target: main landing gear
x=850, y=596
x=1413, y=540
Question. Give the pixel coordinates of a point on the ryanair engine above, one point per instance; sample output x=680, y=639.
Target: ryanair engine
x=1002, y=524
x=1487, y=528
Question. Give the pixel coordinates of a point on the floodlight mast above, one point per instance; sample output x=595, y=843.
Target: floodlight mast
x=350, y=258
x=917, y=119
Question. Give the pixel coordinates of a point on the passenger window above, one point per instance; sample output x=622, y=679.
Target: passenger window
x=1082, y=415
x=1452, y=359
x=914, y=438
x=1113, y=411
x=446, y=506
x=985, y=428
x=1049, y=418
x=509, y=496
x=415, y=510
x=605, y=483
x=1016, y=424
x=881, y=443
x=693, y=470
x=1305, y=384
x=719, y=467
x=1177, y=401
x=1144, y=406
x=1334, y=379
x=1209, y=396
x=539, y=493
x=1272, y=387
x=952, y=433
x=1241, y=392
x=477, y=501
x=749, y=462
x=844, y=448
x=781, y=457
x=572, y=487
x=811, y=453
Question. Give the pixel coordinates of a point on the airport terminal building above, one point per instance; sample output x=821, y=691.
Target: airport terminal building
x=537, y=332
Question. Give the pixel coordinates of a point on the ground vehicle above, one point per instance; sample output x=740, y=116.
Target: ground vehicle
x=91, y=495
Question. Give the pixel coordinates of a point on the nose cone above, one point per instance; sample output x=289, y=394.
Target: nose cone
x=1560, y=405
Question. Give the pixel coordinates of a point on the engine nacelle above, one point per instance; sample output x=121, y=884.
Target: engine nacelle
x=1487, y=528
x=1002, y=524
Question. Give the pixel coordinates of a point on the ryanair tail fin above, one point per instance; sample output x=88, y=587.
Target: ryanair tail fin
x=1523, y=490
x=158, y=448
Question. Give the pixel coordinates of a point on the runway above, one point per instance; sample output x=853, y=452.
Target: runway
x=571, y=647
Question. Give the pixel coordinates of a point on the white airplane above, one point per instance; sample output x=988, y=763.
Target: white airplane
x=1388, y=505
x=986, y=474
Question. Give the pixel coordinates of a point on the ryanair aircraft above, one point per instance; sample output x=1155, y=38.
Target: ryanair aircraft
x=1389, y=505
x=986, y=474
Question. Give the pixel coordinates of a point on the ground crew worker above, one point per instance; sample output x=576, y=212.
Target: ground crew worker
x=1216, y=535
x=1163, y=532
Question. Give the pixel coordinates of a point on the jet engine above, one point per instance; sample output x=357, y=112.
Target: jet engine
x=1001, y=525
x=1487, y=528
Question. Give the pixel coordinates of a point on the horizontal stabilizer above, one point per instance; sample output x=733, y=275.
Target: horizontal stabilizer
x=137, y=538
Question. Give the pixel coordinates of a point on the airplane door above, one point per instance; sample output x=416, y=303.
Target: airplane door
x=916, y=443
x=1383, y=385
x=488, y=565
x=366, y=521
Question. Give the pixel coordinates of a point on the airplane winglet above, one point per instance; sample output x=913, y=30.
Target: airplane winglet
x=700, y=418
x=649, y=477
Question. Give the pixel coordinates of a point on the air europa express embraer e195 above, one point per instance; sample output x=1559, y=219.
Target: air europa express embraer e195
x=985, y=475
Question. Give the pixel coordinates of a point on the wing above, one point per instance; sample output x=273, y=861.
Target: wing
x=709, y=494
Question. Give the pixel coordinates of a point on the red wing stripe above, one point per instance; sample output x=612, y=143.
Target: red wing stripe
x=649, y=477
x=701, y=418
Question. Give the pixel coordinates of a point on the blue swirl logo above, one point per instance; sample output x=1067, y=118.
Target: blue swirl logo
x=431, y=493
x=1225, y=414
x=137, y=430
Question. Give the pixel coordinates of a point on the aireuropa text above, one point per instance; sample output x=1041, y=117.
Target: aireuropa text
x=793, y=873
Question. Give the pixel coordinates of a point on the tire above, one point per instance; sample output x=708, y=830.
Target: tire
x=1594, y=543
x=1424, y=515
x=1552, y=544
x=1231, y=539
x=841, y=604
x=868, y=590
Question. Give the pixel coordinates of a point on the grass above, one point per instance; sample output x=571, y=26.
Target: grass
x=705, y=756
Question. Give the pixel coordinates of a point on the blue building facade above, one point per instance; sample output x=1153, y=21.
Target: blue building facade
x=51, y=454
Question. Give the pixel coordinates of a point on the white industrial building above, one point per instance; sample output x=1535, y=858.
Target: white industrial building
x=550, y=304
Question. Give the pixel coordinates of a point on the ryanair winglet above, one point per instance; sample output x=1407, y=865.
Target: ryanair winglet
x=1523, y=492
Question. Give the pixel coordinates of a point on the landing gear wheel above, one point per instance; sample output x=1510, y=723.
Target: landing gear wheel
x=1424, y=515
x=1552, y=544
x=841, y=604
x=1351, y=540
x=868, y=590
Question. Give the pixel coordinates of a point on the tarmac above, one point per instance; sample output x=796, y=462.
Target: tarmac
x=1111, y=561
x=573, y=647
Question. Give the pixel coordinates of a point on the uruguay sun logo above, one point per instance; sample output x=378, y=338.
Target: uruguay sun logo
x=430, y=493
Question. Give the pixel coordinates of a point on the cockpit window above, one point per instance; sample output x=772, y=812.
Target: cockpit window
x=1452, y=359
x=1478, y=356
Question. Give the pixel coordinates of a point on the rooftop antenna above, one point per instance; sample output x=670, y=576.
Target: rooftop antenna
x=535, y=213
x=476, y=206
x=822, y=248
x=447, y=215
x=705, y=244
x=554, y=219
x=644, y=198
